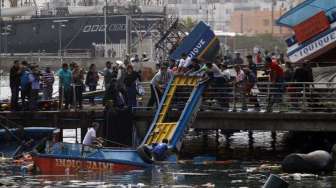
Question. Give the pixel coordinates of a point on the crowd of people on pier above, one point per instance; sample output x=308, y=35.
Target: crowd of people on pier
x=122, y=79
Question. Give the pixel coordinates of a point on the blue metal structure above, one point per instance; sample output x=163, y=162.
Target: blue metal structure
x=174, y=131
x=201, y=43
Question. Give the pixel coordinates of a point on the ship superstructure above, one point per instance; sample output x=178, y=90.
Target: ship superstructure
x=63, y=27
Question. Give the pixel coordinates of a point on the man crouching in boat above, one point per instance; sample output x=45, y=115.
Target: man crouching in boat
x=160, y=151
x=91, y=138
x=155, y=152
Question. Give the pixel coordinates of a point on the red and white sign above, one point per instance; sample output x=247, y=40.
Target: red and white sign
x=311, y=27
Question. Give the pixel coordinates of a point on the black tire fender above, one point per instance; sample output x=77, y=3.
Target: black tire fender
x=145, y=153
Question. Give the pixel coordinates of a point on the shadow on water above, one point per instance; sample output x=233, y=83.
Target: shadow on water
x=248, y=145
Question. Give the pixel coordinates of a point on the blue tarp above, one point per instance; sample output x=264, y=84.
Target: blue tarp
x=196, y=42
x=307, y=9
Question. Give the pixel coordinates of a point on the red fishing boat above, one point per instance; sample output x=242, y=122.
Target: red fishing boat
x=65, y=158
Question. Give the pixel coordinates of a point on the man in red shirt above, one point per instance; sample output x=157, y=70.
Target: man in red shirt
x=277, y=79
x=276, y=72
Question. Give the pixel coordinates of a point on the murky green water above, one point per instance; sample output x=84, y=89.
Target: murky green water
x=251, y=163
x=240, y=174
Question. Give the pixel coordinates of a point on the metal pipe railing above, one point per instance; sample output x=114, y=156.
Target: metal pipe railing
x=266, y=96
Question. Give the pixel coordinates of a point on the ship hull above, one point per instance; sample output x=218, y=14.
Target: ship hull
x=44, y=34
x=74, y=33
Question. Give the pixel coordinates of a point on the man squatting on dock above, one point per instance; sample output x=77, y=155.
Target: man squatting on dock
x=122, y=80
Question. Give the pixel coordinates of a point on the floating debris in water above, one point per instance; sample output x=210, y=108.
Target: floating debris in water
x=190, y=174
x=208, y=185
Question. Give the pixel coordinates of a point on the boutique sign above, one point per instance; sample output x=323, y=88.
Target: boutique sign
x=311, y=48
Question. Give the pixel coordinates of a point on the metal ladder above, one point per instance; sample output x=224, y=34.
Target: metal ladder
x=162, y=128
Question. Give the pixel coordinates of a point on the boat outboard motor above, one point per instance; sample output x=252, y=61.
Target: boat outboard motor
x=314, y=162
x=275, y=181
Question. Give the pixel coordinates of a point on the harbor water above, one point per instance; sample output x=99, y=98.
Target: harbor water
x=241, y=163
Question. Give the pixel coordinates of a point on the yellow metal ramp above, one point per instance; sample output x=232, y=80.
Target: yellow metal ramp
x=162, y=129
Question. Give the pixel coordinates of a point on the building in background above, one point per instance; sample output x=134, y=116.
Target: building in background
x=253, y=22
x=241, y=16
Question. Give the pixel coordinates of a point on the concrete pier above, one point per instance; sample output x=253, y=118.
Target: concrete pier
x=319, y=122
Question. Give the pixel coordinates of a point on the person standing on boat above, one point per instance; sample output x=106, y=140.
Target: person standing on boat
x=91, y=135
x=47, y=83
x=65, y=78
x=91, y=80
x=14, y=83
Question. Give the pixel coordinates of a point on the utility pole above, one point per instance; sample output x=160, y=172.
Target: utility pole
x=61, y=23
x=272, y=17
x=105, y=30
x=241, y=23
x=1, y=3
x=128, y=34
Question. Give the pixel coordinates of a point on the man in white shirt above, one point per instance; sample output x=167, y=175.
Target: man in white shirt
x=159, y=84
x=182, y=63
x=91, y=135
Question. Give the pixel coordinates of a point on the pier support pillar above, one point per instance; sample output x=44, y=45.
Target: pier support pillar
x=274, y=139
x=205, y=141
x=83, y=132
x=61, y=133
x=251, y=140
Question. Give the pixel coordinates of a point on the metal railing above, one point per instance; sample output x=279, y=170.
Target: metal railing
x=263, y=97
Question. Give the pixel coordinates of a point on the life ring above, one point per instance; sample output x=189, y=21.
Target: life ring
x=145, y=153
